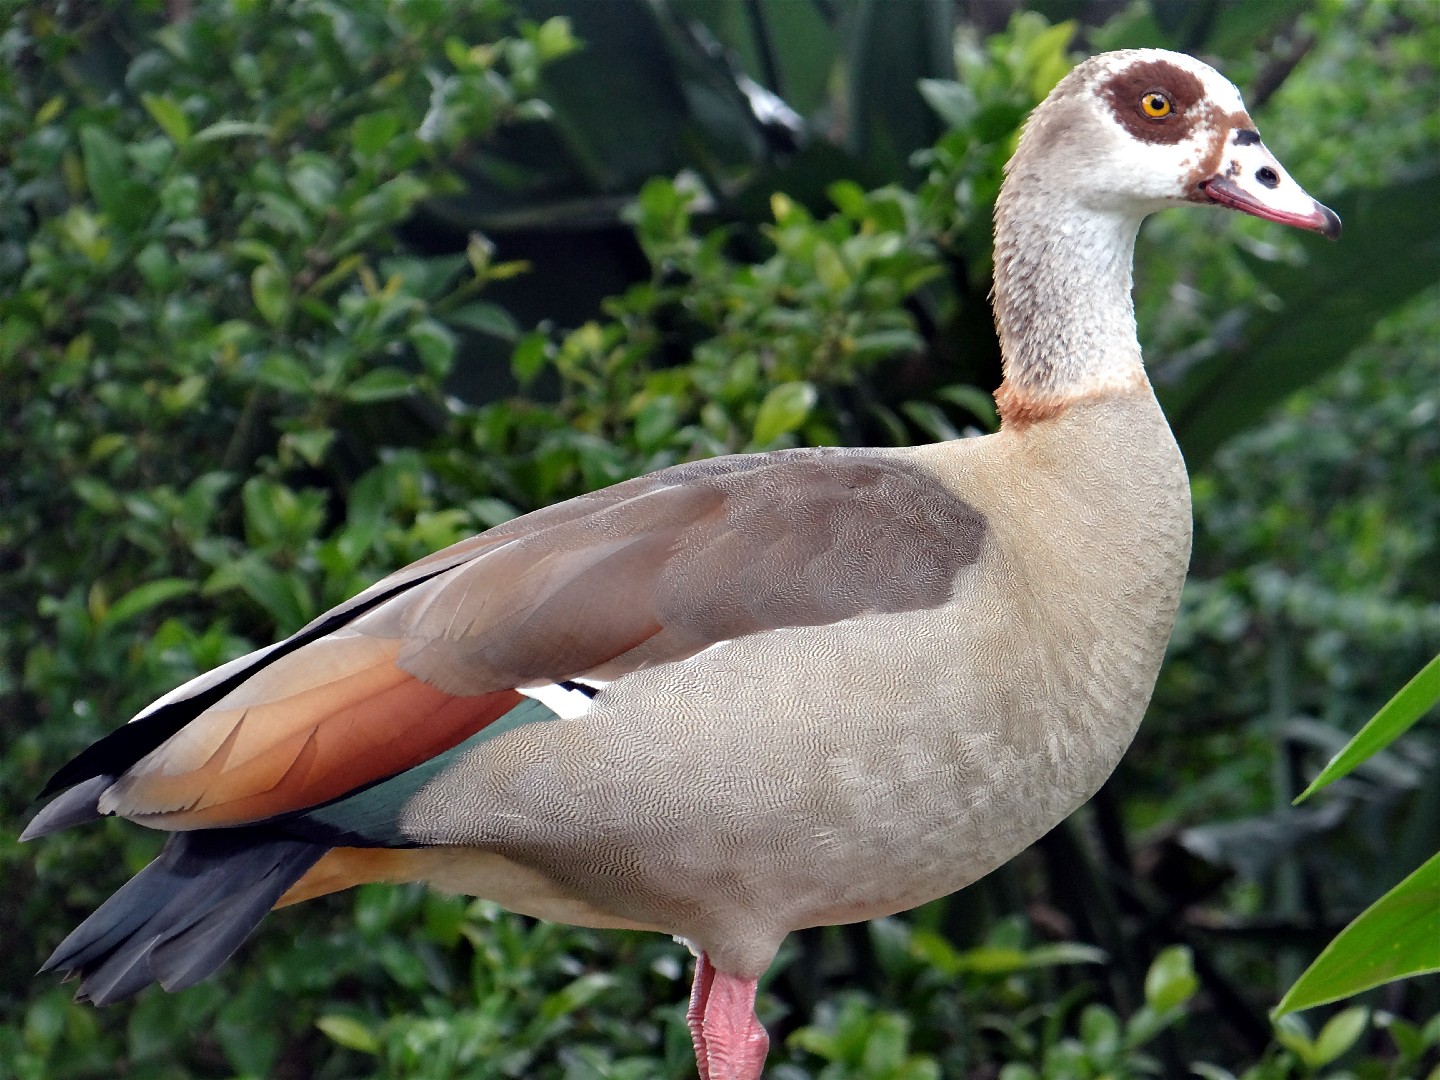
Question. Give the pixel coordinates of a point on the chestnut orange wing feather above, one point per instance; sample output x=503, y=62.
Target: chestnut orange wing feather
x=300, y=737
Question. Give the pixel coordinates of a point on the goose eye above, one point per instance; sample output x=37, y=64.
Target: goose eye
x=1156, y=104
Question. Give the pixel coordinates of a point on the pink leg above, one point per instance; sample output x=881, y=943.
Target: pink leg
x=730, y=1043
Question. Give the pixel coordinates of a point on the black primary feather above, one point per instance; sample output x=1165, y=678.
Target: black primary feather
x=76, y=806
x=182, y=916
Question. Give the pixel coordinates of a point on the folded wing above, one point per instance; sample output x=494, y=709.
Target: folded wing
x=647, y=572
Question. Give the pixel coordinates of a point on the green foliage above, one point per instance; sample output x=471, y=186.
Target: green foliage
x=528, y=998
x=1398, y=935
x=766, y=339
x=1302, y=1053
x=210, y=319
x=1012, y=1023
x=253, y=357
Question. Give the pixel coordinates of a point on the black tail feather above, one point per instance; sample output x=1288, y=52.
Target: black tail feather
x=182, y=916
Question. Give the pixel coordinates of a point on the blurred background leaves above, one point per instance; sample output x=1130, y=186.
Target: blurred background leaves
x=296, y=292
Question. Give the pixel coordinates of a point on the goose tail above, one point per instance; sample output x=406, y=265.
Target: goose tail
x=181, y=917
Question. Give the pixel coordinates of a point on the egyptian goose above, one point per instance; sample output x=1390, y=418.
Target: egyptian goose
x=742, y=696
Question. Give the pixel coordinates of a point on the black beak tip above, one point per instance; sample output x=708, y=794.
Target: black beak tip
x=1332, y=226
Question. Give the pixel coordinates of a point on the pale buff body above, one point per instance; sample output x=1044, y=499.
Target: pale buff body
x=850, y=782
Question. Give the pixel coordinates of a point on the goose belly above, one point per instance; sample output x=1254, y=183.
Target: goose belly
x=799, y=777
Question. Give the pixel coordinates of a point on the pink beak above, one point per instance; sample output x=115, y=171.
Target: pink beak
x=1253, y=182
x=1319, y=218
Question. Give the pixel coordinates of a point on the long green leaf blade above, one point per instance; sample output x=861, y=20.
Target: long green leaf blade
x=1396, y=937
x=1413, y=701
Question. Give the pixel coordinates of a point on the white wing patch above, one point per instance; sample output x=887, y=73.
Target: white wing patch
x=567, y=702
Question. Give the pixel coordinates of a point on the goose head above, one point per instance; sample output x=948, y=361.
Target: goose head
x=1135, y=131
x=1123, y=135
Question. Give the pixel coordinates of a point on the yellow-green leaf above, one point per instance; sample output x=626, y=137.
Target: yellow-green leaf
x=784, y=409
x=169, y=115
x=1396, y=937
x=1414, y=700
x=1171, y=979
x=1339, y=1034
x=230, y=129
x=349, y=1033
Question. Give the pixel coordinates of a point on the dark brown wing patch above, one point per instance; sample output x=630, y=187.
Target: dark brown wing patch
x=663, y=566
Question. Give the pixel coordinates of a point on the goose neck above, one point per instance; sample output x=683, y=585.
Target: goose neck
x=1062, y=302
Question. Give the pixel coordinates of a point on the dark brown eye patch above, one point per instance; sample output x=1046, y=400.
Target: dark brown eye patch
x=1145, y=93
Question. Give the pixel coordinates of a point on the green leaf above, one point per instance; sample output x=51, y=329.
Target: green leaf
x=850, y=198
x=144, y=597
x=931, y=419
x=954, y=102
x=349, y=1033
x=96, y=493
x=313, y=181
x=1063, y=952
x=106, y=172
x=487, y=318
x=576, y=995
x=1339, y=1034
x=169, y=115
x=554, y=38
x=1146, y=1022
x=1396, y=937
x=381, y=384
x=886, y=1046
x=1046, y=57
x=1414, y=700
x=992, y=960
x=49, y=111
x=230, y=129
x=882, y=343
x=784, y=409
x=86, y=232
x=155, y=265
x=980, y=404
x=271, y=292
x=529, y=357
x=1171, y=978
x=1294, y=1034
x=831, y=269
x=1100, y=1031
x=435, y=345
x=373, y=130
x=283, y=596
x=284, y=373
x=311, y=445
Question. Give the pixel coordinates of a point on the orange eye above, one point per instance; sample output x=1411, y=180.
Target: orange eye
x=1156, y=104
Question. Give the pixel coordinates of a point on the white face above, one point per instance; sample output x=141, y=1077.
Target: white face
x=1164, y=128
